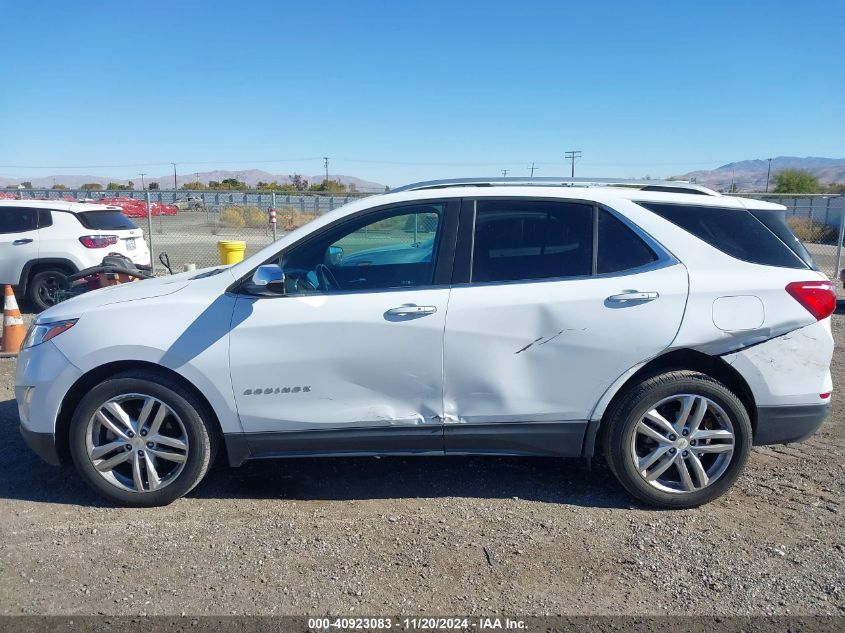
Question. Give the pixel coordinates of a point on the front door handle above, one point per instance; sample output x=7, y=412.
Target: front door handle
x=411, y=310
x=633, y=296
x=25, y=240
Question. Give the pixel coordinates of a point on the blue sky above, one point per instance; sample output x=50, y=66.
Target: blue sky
x=404, y=91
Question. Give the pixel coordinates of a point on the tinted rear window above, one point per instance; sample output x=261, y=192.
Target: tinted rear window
x=619, y=247
x=105, y=220
x=775, y=221
x=531, y=239
x=735, y=232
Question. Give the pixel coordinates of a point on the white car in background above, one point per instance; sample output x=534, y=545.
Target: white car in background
x=662, y=325
x=44, y=241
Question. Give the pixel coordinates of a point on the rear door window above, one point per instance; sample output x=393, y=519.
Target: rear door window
x=106, y=220
x=619, y=247
x=18, y=219
x=531, y=239
x=735, y=232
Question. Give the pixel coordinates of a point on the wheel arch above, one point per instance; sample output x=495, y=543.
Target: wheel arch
x=95, y=376
x=689, y=359
x=37, y=265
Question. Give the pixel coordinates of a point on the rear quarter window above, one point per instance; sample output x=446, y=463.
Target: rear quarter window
x=107, y=220
x=735, y=232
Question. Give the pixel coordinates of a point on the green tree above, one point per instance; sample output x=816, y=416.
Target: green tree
x=299, y=182
x=59, y=187
x=796, y=181
x=116, y=186
x=26, y=184
x=92, y=186
x=152, y=186
x=194, y=186
x=329, y=186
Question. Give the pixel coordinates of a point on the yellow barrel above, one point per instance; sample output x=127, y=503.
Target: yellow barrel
x=231, y=251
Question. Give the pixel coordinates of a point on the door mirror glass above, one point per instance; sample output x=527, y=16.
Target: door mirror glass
x=267, y=279
x=334, y=255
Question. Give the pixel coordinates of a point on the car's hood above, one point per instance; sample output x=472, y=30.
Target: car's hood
x=144, y=289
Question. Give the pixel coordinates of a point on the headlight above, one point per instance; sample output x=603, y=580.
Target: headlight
x=43, y=332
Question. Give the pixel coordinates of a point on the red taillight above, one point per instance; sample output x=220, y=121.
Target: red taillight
x=818, y=297
x=98, y=241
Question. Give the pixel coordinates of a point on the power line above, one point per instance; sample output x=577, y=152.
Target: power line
x=572, y=155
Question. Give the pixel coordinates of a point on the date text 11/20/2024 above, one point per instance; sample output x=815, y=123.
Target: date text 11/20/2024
x=420, y=623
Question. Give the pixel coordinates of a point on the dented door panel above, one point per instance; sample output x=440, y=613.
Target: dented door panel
x=546, y=351
x=338, y=361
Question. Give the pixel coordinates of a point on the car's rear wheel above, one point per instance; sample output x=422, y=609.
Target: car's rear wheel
x=44, y=285
x=140, y=439
x=678, y=439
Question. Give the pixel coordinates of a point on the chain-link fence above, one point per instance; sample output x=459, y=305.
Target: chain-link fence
x=191, y=236
x=187, y=225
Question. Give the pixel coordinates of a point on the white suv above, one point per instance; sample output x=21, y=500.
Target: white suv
x=663, y=325
x=43, y=241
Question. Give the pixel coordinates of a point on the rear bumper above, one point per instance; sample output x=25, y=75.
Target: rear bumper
x=785, y=424
x=44, y=445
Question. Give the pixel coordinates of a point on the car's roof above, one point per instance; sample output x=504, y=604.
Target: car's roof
x=602, y=194
x=59, y=205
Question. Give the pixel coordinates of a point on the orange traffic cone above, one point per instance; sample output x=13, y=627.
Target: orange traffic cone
x=13, y=327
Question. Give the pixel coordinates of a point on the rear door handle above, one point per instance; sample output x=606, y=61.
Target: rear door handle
x=411, y=310
x=25, y=240
x=632, y=296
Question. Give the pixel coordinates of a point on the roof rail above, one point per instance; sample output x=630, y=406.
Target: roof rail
x=671, y=186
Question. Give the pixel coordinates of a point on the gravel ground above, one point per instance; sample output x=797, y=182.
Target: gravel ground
x=427, y=536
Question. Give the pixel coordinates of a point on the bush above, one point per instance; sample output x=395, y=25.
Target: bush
x=255, y=218
x=232, y=217
x=808, y=231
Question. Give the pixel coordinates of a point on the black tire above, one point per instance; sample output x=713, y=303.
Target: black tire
x=625, y=413
x=43, y=285
x=200, y=435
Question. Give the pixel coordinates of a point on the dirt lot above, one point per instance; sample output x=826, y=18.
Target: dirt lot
x=427, y=536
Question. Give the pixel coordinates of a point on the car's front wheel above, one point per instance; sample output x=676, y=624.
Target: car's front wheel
x=140, y=439
x=678, y=439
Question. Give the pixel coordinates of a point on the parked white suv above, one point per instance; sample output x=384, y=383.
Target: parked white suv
x=44, y=241
x=663, y=325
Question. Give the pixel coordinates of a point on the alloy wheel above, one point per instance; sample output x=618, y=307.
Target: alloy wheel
x=683, y=443
x=137, y=443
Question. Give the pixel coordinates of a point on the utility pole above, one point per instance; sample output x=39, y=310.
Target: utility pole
x=326, y=165
x=532, y=168
x=505, y=173
x=142, y=179
x=196, y=177
x=572, y=155
x=768, y=173
x=175, y=186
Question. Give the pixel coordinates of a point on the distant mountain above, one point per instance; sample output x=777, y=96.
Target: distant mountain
x=750, y=175
x=250, y=176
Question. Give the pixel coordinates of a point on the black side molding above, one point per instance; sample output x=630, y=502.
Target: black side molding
x=785, y=424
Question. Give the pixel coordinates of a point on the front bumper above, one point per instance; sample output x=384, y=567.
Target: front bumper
x=786, y=424
x=44, y=445
x=43, y=376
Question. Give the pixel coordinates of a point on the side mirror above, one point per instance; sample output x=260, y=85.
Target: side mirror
x=267, y=280
x=334, y=255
